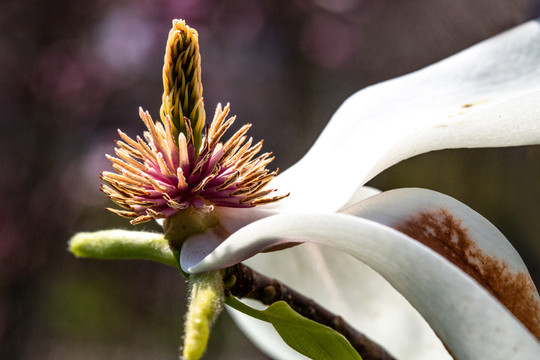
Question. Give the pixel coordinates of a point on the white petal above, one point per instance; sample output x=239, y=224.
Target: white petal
x=471, y=322
x=233, y=219
x=396, y=207
x=197, y=247
x=464, y=237
x=487, y=95
x=360, y=194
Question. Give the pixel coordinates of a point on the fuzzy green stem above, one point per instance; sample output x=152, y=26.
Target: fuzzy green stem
x=205, y=303
x=122, y=244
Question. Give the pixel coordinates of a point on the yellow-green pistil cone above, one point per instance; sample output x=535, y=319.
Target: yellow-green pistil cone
x=205, y=304
x=182, y=86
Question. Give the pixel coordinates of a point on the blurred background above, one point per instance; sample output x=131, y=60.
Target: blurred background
x=72, y=72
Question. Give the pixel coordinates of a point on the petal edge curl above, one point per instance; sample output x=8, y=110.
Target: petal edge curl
x=448, y=299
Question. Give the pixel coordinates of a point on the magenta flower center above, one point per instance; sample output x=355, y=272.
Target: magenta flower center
x=160, y=176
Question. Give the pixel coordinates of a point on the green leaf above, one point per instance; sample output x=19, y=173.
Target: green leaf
x=314, y=340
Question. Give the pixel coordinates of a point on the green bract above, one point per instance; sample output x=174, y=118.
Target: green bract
x=306, y=336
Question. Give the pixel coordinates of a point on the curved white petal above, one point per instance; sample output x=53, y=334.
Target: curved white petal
x=363, y=192
x=396, y=208
x=198, y=246
x=465, y=238
x=487, y=95
x=471, y=322
x=233, y=219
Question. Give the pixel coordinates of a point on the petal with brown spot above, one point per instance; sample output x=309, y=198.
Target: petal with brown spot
x=463, y=237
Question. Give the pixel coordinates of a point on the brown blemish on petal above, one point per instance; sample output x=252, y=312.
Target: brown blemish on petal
x=469, y=105
x=442, y=232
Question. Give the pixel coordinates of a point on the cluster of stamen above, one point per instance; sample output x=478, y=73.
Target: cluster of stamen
x=160, y=176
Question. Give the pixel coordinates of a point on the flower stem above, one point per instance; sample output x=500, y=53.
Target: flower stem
x=122, y=244
x=205, y=303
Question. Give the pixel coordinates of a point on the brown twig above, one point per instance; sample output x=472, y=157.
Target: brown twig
x=241, y=281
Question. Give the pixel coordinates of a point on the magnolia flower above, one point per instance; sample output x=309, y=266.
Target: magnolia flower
x=417, y=271
x=182, y=172
x=435, y=268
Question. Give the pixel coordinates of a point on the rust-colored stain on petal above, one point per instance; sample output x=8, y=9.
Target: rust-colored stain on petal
x=444, y=233
x=469, y=105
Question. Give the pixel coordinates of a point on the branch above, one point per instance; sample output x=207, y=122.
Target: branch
x=241, y=281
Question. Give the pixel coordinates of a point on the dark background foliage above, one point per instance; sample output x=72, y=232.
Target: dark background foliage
x=72, y=72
